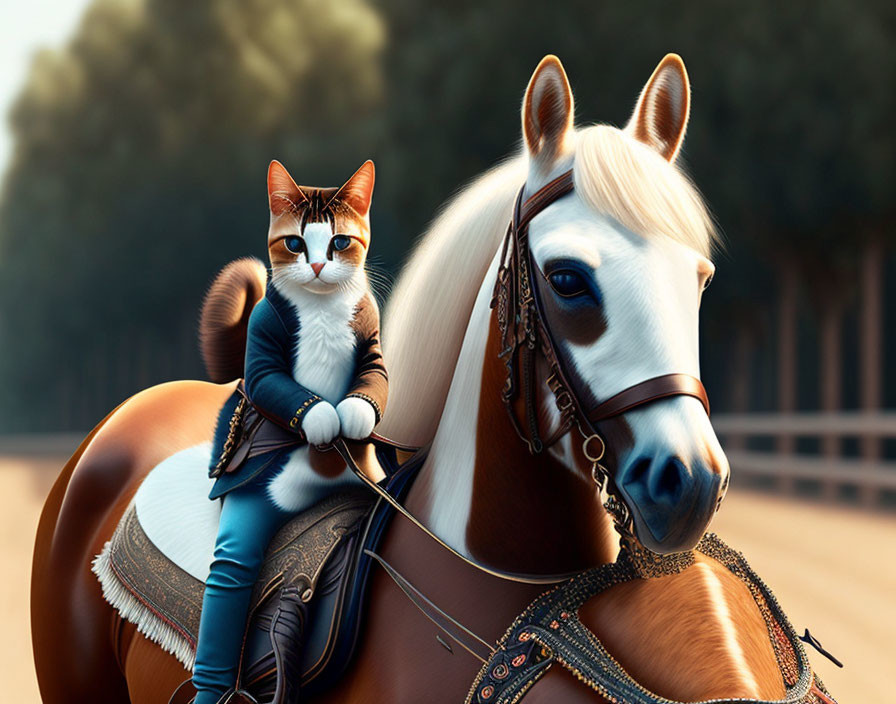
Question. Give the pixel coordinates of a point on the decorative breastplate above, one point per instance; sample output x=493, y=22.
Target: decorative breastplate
x=549, y=631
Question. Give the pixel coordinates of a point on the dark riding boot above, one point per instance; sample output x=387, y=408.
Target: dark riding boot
x=186, y=694
x=288, y=633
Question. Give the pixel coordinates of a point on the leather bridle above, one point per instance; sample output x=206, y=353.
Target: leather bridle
x=525, y=332
x=517, y=302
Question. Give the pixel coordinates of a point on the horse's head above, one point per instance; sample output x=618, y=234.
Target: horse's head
x=621, y=263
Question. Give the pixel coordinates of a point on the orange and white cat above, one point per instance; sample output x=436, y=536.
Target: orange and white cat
x=318, y=241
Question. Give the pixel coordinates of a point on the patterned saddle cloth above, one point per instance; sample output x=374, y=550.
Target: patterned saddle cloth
x=317, y=559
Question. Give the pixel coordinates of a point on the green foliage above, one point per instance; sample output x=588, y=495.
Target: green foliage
x=139, y=170
x=790, y=137
x=141, y=149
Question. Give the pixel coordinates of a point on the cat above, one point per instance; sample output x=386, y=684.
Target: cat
x=313, y=371
x=318, y=242
x=313, y=359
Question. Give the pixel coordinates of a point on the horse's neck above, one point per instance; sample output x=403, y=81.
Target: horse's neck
x=483, y=493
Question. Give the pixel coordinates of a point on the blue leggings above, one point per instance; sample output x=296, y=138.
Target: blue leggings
x=249, y=519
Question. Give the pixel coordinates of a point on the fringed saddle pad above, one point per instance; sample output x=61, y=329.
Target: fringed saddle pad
x=549, y=631
x=164, y=601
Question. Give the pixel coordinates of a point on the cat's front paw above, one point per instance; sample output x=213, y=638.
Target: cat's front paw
x=321, y=423
x=357, y=417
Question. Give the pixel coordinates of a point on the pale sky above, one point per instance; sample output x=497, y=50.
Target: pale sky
x=25, y=26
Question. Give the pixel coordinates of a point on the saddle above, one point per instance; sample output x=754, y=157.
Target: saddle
x=311, y=587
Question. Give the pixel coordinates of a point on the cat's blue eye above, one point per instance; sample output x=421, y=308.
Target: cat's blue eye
x=294, y=244
x=341, y=242
x=567, y=283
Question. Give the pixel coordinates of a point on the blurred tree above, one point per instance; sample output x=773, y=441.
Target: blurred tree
x=789, y=135
x=139, y=170
x=141, y=147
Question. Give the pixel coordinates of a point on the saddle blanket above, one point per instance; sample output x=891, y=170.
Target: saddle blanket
x=152, y=570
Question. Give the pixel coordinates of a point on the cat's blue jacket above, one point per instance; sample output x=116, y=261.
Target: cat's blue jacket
x=270, y=386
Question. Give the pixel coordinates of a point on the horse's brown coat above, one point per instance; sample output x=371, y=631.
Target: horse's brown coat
x=72, y=628
x=399, y=658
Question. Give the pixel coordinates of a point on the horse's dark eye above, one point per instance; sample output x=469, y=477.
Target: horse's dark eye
x=567, y=283
x=294, y=244
x=341, y=242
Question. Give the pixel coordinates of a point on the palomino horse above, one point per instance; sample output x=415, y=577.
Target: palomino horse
x=626, y=256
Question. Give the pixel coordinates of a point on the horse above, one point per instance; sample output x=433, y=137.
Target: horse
x=625, y=256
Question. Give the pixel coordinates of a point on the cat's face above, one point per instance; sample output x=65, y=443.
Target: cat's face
x=318, y=237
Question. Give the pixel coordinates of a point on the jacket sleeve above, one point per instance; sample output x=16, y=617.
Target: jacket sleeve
x=269, y=382
x=371, y=382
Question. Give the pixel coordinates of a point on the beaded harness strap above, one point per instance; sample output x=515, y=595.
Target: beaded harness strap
x=549, y=631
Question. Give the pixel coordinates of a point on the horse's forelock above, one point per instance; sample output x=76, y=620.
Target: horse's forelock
x=627, y=180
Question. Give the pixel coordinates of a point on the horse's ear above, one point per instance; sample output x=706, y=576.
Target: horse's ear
x=283, y=193
x=357, y=192
x=547, y=112
x=660, y=118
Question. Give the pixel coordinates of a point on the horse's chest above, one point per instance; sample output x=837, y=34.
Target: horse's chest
x=325, y=352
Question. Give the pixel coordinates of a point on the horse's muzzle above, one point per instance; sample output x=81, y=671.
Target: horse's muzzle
x=671, y=502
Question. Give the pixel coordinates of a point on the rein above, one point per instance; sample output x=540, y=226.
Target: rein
x=340, y=447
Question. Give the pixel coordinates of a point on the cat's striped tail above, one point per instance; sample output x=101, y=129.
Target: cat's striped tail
x=224, y=320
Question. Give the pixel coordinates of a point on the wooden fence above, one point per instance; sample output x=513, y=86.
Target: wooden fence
x=828, y=468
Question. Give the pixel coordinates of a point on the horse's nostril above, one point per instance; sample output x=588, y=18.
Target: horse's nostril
x=671, y=478
x=639, y=470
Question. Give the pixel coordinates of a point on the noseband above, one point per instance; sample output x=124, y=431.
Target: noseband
x=525, y=331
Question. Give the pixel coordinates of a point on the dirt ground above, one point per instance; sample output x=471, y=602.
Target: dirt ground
x=832, y=568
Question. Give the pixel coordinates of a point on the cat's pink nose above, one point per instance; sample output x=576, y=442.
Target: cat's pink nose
x=317, y=266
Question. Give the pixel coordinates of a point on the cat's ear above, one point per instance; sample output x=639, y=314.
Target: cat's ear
x=660, y=118
x=283, y=193
x=357, y=192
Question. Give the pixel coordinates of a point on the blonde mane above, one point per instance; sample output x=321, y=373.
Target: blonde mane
x=627, y=180
x=427, y=314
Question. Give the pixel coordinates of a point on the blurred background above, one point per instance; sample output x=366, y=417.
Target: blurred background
x=134, y=152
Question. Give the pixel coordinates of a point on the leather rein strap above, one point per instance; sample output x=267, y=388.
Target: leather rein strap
x=525, y=331
x=343, y=450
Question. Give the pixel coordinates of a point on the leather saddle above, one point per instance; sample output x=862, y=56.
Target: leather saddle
x=312, y=587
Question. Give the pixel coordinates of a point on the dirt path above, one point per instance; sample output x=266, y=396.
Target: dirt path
x=23, y=485
x=834, y=571
x=832, y=568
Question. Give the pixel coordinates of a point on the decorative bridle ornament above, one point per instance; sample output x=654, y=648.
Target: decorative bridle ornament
x=525, y=332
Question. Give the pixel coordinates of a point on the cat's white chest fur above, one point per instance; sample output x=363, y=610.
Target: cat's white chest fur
x=325, y=344
x=325, y=364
